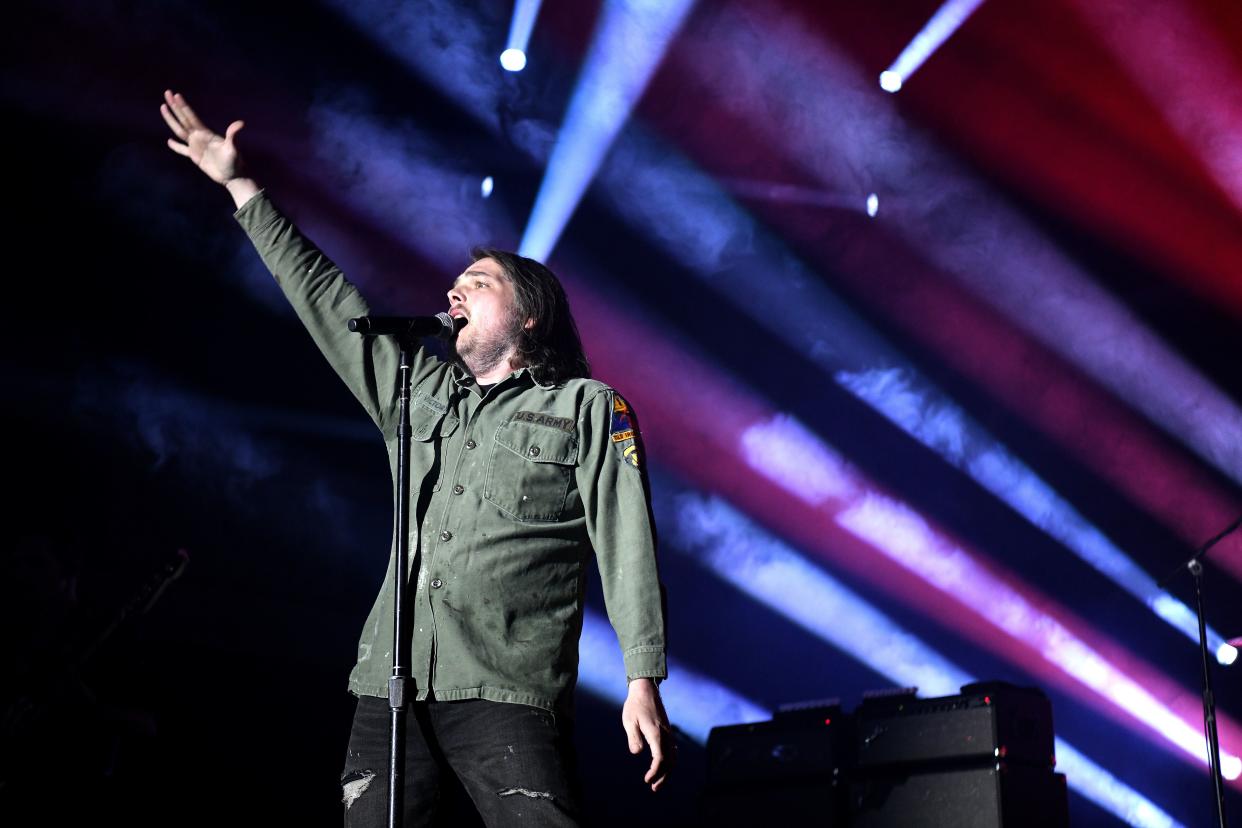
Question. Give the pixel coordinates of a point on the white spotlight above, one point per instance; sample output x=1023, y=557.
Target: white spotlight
x=486, y=188
x=513, y=60
x=944, y=23
x=873, y=205
x=1230, y=767
x=1227, y=653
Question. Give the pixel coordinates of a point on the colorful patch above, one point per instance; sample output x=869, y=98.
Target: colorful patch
x=621, y=420
x=624, y=433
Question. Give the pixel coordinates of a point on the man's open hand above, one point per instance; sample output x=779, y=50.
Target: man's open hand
x=214, y=154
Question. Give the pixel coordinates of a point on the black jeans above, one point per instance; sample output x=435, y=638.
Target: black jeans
x=513, y=761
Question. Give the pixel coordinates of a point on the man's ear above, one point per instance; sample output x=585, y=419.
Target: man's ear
x=530, y=323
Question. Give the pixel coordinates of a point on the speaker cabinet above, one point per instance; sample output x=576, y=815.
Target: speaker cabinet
x=1000, y=796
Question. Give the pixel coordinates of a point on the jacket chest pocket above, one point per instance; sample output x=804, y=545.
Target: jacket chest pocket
x=530, y=471
x=430, y=427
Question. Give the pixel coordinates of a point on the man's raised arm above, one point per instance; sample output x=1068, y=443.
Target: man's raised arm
x=320, y=294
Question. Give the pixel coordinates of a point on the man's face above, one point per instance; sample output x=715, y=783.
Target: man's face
x=483, y=295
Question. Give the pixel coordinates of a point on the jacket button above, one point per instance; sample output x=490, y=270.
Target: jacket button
x=446, y=535
x=436, y=583
x=471, y=444
x=533, y=451
x=458, y=489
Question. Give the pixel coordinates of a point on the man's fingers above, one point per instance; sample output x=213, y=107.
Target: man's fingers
x=233, y=129
x=647, y=724
x=657, y=751
x=173, y=123
x=655, y=740
x=180, y=149
x=631, y=731
x=659, y=782
x=185, y=114
x=657, y=775
x=656, y=769
x=176, y=107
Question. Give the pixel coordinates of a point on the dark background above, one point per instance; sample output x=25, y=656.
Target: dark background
x=160, y=397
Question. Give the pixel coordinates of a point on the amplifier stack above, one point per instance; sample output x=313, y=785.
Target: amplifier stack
x=981, y=759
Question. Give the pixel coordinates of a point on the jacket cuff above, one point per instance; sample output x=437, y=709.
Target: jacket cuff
x=257, y=212
x=645, y=662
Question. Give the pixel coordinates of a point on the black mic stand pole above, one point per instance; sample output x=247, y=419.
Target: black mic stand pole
x=1195, y=566
x=406, y=331
x=398, y=682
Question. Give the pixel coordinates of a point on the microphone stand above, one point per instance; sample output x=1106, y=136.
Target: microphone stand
x=399, y=682
x=406, y=330
x=1195, y=566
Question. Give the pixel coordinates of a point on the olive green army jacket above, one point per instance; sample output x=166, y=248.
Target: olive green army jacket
x=521, y=486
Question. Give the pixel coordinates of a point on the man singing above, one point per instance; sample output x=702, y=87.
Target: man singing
x=521, y=467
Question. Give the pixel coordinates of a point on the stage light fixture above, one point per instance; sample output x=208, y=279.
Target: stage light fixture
x=514, y=60
x=943, y=23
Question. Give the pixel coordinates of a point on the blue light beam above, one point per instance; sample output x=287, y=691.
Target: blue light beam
x=763, y=567
x=628, y=44
x=947, y=430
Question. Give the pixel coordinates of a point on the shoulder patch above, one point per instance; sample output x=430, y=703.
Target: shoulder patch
x=624, y=431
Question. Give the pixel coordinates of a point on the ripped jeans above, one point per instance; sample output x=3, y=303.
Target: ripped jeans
x=513, y=761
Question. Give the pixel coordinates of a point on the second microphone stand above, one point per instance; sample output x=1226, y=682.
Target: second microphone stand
x=1195, y=565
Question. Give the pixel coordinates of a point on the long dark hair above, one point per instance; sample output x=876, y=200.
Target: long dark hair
x=551, y=348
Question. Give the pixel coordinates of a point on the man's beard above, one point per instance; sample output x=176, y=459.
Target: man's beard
x=485, y=354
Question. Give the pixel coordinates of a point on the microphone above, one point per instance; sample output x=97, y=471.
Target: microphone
x=441, y=325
